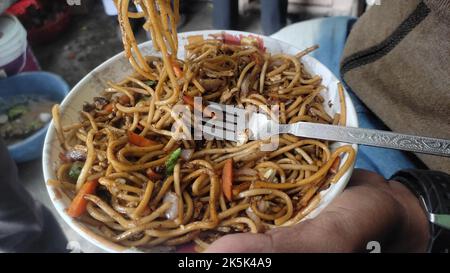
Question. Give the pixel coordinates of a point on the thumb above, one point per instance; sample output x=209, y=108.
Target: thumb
x=312, y=235
x=242, y=243
x=302, y=237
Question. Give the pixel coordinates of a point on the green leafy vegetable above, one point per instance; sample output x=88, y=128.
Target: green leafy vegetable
x=34, y=125
x=145, y=97
x=75, y=169
x=16, y=111
x=172, y=161
x=150, y=83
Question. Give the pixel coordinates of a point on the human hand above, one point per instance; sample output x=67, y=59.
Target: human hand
x=369, y=209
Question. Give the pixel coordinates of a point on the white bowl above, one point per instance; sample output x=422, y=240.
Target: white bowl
x=117, y=67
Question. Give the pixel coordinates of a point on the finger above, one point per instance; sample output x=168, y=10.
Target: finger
x=361, y=177
x=309, y=236
x=339, y=228
x=242, y=243
x=362, y=213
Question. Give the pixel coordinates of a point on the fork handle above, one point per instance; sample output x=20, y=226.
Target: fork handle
x=370, y=137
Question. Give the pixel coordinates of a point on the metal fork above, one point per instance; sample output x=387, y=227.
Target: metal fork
x=237, y=124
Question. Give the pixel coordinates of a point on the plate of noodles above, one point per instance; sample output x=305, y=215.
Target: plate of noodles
x=117, y=176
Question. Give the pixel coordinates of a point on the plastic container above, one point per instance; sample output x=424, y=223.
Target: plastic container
x=48, y=85
x=15, y=55
x=50, y=30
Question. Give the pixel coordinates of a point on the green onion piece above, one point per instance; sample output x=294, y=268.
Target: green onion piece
x=172, y=161
x=75, y=169
x=146, y=97
x=35, y=125
x=16, y=111
x=150, y=83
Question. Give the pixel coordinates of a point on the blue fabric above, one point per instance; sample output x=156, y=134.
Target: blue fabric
x=330, y=34
x=25, y=225
x=273, y=15
x=225, y=14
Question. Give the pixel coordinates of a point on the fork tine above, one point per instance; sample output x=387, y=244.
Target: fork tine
x=218, y=133
x=227, y=123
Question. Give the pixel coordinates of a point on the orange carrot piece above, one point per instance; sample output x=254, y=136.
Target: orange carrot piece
x=108, y=108
x=140, y=141
x=151, y=174
x=195, y=39
x=208, y=113
x=335, y=166
x=188, y=100
x=79, y=204
x=177, y=69
x=241, y=187
x=124, y=99
x=227, y=179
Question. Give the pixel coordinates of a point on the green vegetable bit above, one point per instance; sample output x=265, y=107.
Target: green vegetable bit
x=16, y=111
x=146, y=97
x=150, y=83
x=34, y=125
x=172, y=161
x=75, y=169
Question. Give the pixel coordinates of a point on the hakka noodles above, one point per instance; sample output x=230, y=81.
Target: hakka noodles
x=138, y=186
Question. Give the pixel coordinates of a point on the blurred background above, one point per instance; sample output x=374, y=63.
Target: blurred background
x=69, y=38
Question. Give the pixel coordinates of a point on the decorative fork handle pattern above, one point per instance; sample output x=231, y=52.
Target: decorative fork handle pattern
x=418, y=144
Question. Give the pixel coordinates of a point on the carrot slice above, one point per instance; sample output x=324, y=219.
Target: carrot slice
x=177, y=69
x=335, y=166
x=241, y=187
x=108, y=108
x=188, y=100
x=151, y=174
x=124, y=99
x=78, y=205
x=227, y=179
x=195, y=39
x=230, y=39
x=140, y=141
x=63, y=157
